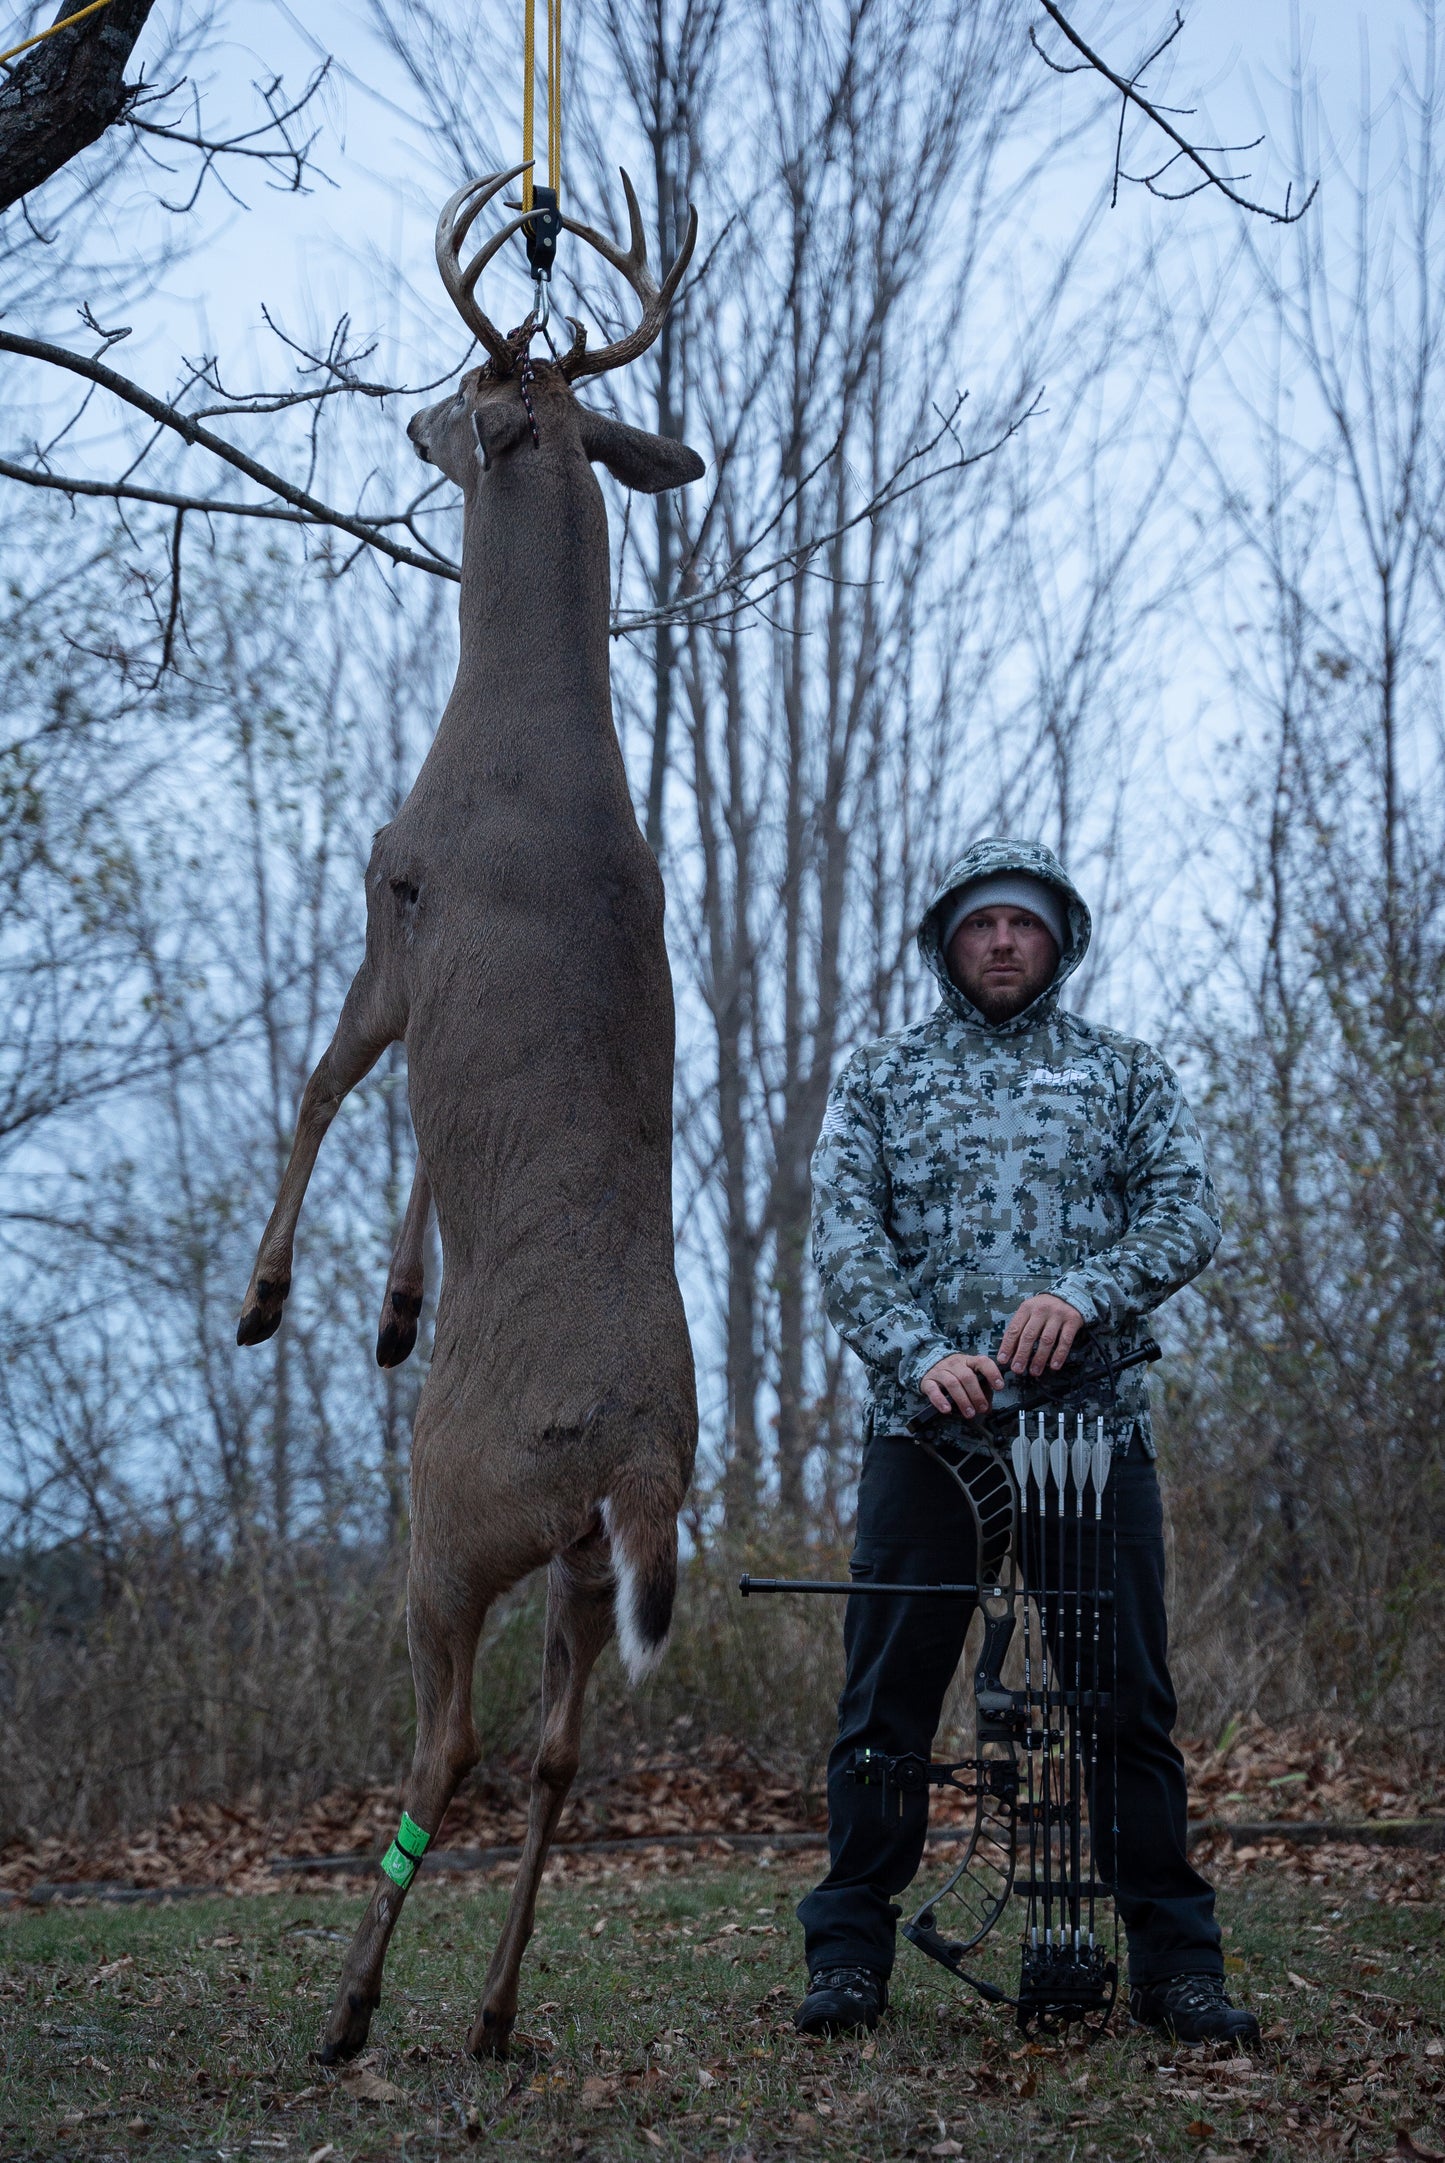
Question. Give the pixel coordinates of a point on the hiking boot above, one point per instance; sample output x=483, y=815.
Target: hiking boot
x=1194, y=2009
x=841, y=2000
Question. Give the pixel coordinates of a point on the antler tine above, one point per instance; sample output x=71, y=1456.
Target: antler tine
x=453, y=225
x=633, y=267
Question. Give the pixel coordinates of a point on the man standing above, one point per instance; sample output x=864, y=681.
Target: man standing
x=986, y=1184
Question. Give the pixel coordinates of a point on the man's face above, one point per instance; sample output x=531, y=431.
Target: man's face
x=1001, y=959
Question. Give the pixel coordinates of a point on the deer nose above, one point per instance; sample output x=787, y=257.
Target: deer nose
x=417, y=434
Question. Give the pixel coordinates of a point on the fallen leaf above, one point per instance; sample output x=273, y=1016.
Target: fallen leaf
x=1300, y=1982
x=1199, y=2129
x=322, y=2155
x=869, y=2050
x=946, y=2147
x=1435, y=2049
x=524, y=2041
x=1408, y=2143
x=655, y=2138
x=598, y=2090
x=599, y=1926
x=137, y=2125
x=369, y=2087
x=705, y=2079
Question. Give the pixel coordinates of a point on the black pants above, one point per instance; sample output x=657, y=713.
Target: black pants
x=915, y=1527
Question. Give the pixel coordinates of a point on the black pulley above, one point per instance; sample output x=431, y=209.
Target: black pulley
x=542, y=230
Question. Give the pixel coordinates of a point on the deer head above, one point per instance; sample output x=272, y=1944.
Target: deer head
x=510, y=399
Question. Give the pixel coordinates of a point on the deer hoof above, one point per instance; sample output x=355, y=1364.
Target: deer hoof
x=261, y=1315
x=491, y=2034
x=347, y=2029
x=396, y=1337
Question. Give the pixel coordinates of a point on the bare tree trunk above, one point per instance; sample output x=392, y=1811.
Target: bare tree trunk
x=61, y=96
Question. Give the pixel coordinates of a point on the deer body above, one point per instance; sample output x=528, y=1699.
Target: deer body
x=514, y=940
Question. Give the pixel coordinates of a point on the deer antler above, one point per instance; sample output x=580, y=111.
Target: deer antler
x=633, y=266
x=455, y=222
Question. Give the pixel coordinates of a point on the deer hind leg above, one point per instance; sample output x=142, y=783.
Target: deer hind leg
x=580, y=1589
x=442, y=1636
x=406, y=1279
x=362, y=1035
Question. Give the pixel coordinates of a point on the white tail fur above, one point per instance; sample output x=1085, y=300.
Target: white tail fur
x=646, y=1575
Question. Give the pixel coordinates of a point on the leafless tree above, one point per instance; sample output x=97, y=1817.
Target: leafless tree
x=66, y=89
x=1313, y=1439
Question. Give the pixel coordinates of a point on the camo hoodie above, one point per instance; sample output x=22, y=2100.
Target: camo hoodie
x=964, y=1165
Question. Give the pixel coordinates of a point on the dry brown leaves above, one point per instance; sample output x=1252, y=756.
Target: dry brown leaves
x=1261, y=1774
x=721, y=1787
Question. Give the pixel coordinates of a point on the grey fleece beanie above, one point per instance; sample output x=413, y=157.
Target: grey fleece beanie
x=1006, y=890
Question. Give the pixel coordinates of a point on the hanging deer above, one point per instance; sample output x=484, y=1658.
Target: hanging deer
x=514, y=943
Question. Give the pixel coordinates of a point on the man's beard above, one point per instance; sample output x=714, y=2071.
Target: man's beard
x=1000, y=1006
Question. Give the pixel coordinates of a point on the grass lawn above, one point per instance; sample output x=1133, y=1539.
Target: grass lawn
x=655, y=2016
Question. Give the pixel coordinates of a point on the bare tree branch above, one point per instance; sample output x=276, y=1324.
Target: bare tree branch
x=740, y=589
x=273, y=142
x=300, y=507
x=69, y=484
x=64, y=94
x=1195, y=154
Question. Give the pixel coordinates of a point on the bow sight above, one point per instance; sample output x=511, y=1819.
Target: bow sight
x=1033, y=1471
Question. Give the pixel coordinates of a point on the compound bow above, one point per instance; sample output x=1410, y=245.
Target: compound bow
x=1045, y=1566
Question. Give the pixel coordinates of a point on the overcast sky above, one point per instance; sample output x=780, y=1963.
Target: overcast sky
x=359, y=241
x=311, y=257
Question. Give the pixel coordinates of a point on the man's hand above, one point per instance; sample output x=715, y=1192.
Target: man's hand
x=1039, y=1335
x=956, y=1384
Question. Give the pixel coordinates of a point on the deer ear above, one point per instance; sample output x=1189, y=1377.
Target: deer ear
x=637, y=459
x=497, y=428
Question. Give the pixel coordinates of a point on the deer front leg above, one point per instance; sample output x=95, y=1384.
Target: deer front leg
x=443, y=1652
x=362, y=1035
x=579, y=1623
x=406, y=1279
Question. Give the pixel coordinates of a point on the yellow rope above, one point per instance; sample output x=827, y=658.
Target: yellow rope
x=529, y=64
x=529, y=93
x=554, y=95
x=64, y=24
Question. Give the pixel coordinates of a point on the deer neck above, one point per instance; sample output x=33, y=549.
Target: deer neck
x=534, y=604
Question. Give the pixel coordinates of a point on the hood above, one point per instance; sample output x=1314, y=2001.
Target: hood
x=981, y=861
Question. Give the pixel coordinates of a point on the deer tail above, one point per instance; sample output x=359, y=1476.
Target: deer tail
x=641, y=1525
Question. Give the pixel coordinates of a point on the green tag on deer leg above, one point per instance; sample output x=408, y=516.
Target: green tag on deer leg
x=406, y=1851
